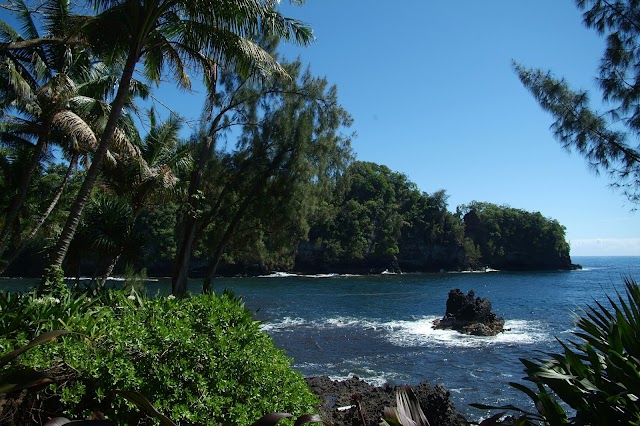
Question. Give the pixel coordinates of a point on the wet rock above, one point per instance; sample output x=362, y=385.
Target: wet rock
x=470, y=315
x=339, y=400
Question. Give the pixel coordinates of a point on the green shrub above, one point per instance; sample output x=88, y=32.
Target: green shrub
x=198, y=360
x=53, y=283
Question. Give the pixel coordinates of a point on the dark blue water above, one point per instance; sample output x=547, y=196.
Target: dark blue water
x=379, y=328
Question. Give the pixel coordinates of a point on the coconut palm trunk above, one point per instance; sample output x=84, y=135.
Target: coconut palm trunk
x=176, y=35
x=25, y=241
x=18, y=201
x=62, y=246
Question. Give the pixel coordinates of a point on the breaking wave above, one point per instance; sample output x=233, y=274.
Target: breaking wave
x=289, y=275
x=418, y=332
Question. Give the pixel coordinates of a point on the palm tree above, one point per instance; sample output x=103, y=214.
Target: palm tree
x=175, y=34
x=37, y=87
x=26, y=240
x=44, y=107
x=150, y=178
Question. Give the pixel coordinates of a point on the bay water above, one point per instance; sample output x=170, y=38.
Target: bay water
x=379, y=328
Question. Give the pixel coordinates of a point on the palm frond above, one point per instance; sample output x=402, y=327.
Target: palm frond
x=21, y=88
x=74, y=126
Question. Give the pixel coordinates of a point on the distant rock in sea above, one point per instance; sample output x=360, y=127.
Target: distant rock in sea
x=470, y=315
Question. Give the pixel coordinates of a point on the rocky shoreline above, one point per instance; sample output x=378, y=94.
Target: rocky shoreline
x=340, y=401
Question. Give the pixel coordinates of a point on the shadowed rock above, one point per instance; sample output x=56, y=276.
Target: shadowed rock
x=339, y=400
x=470, y=315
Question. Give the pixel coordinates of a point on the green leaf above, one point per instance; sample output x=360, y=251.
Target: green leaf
x=47, y=337
x=308, y=418
x=60, y=421
x=23, y=379
x=493, y=420
x=271, y=419
x=390, y=417
x=522, y=388
x=143, y=404
x=501, y=407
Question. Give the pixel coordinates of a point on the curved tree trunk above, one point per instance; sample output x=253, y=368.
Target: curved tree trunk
x=18, y=201
x=186, y=236
x=187, y=232
x=25, y=241
x=214, y=260
x=251, y=197
x=108, y=270
x=62, y=246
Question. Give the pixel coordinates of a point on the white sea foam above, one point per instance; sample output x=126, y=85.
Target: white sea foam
x=375, y=378
x=326, y=323
x=349, y=368
x=314, y=366
x=284, y=324
x=278, y=275
x=288, y=274
x=459, y=390
x=108, y=279
x=419, y=332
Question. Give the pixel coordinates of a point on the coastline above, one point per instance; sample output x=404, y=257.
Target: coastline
x=349, y=402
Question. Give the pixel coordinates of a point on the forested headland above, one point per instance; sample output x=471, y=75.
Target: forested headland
x=96, y=177
x=367, y=219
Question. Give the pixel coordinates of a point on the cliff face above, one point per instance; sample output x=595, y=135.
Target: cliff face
x=313, y=259
x=420, y=255
x=415, y=255
x=521, y=260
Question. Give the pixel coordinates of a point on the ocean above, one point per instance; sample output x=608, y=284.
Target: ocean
x=379, y=327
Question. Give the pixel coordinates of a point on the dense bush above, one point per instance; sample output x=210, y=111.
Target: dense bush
x=509, y=238
x=199, y=360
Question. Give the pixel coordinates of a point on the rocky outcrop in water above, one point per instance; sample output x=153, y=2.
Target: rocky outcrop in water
x=470, y=315
x=339, y=400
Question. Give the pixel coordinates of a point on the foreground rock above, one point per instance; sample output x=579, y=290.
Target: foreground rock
x=434, y=401
x=470, y=315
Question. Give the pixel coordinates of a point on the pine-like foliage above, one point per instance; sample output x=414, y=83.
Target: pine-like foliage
x=607, y=139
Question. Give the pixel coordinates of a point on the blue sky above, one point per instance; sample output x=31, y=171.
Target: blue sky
x=433, y=94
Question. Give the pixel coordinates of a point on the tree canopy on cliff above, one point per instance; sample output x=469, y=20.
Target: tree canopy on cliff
x=608, y=140
x=514, y=238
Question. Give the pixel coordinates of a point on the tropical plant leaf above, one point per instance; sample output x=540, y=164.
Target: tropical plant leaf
x=57, y=421
x=23, y=379
x=407, y=412
x=493, y=420
x=390, y=417
x=508, y=407
x=409, y=407
x=60, y=421
x=47, y=337
x=527, y=391
x=271, y=419
x=596, y=376
x=143, y=404
x=308, y=418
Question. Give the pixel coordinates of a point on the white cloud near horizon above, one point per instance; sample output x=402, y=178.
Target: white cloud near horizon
x=605, y=247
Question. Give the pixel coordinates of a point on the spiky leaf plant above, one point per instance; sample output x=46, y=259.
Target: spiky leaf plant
x=597, y=377
x=408, y=411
